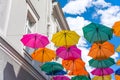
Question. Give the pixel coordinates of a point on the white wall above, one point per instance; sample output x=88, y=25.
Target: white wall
x=5, y=6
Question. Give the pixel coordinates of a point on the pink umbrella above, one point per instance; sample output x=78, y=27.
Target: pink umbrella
x=69, y=53
x=61, y=78
x=102, y=71
x=34, y=40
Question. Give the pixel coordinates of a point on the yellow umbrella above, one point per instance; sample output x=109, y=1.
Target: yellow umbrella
x=65, y=38
x=117, y=77
x=116, y=28
x=107, y=77
x=43, y=55
x=118, y=62
x=118, y=49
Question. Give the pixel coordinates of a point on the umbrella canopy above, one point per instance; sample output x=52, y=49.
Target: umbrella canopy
x=61, y=78
x=102, y=71
x=65, y=37
x=49, y=67
x=117, y=72
x=116, y=28
x=107, y=77
x=118, y=62
x=80, y=78
x=69, y=53
x=43, y=55
x=101, y=51
x=57, y=73
x=94, y=33
x=101, y=63
x=35, y=40
x=118, y=49
x=117, y=77
x=73, y=65
x=78, y=72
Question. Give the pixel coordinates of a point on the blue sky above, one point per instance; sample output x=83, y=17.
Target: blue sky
x=79, y=13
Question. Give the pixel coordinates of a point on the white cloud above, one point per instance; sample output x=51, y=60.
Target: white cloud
x=76, y=6
x=101, y=4
x=77, y=24
x=110, y=15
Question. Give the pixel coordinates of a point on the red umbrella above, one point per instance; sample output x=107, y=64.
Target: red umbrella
x=34, y=40
x=69, y=53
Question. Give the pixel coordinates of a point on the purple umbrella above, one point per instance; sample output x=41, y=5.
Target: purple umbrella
x=68, y=53
x=102, y=71
x=61, y=78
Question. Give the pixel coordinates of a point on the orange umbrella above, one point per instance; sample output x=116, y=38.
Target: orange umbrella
x=76, y=64
x=79, y=72
x=118, y=62
x=101, y=51
x=117, y=77
x=43, y=55
x=75, y=67
x=116, y=28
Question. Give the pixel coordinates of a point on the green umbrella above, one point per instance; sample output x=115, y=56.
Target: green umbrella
x=80, y=78
x=94, y=32
x=101, y=63
x=50, y=67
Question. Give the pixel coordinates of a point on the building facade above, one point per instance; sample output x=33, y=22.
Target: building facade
x=19, y=17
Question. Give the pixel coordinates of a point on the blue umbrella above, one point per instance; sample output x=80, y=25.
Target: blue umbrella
x=57, y=73
x=117, y=71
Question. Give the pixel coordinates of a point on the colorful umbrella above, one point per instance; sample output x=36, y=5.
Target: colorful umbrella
x=61, y=78
x=102, y=71
x=49, y=67
x=117, y=71
x=78, y=72
x=118, y=49
x=73, y=65
x=116, y=28
x=107, y=77
x=101, y=51
x=57, y=73
x=65, y=37
x=101, y=63
x=43, y=55
x=94, y=32
x=117, y=77
x=35, y=40
x=69, y=53
x=118, y=62
x=80, y=78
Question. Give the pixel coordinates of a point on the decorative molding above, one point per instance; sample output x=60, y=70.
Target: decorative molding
x=33, y=9
x=5, y=46
x=58, y=14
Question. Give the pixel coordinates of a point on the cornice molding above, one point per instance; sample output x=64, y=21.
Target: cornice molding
x=58, y=14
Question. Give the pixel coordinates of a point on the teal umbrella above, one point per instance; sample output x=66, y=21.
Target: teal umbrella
x=50, y=67
x=94, y=32
x=101, y=63
x=80, y=78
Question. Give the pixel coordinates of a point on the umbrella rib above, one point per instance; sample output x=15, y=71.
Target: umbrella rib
x=92, y=36
x=43, y=55
x=61, y=38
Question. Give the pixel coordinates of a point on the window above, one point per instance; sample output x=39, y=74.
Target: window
x=30, y=25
